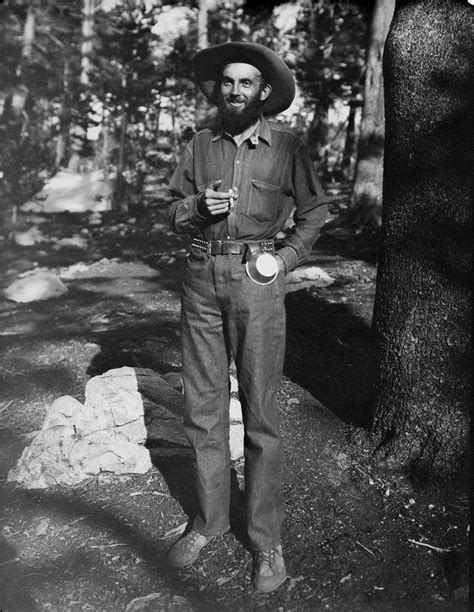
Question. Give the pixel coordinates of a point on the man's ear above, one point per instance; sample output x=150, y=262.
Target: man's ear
x=266, y=91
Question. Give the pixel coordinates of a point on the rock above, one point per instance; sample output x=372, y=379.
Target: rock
x=60, y=456
x=76, y=241
x=163, y=427
x=236, y=440
x=109, y=451
x=29, y=237
x=35, y=287
x=160, y=227
x=234, y=385
x=114, y=402
x=124, y=410
x=159, y=391
x=32, y=207
x=317, y=276
x=75, y=269
x=95, y=218
x=106, y=433
x=235, y=411
x=147, y=602
x=74, y=190
x=110, y=268
x=41, y=465
x=175, y=380
x=62, y=412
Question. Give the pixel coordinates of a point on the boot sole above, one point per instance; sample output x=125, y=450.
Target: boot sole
x=187, y=564
x=270, y=587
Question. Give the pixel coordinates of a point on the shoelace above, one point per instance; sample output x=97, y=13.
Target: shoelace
x=265, y=557
x=191, y=538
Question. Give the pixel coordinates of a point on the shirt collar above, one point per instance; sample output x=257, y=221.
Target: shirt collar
x=262, y=132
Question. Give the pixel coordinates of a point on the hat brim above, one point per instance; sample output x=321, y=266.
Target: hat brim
x=209, y=63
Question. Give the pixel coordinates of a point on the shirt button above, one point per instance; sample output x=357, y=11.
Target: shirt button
x=238, y=161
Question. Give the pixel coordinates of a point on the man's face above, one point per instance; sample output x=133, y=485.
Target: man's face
x=242, y=94
x=241, y=84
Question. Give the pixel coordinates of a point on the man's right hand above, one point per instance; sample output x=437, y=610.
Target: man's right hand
x=213, y=202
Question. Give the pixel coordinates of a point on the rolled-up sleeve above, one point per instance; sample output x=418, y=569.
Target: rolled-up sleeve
x=310, y=214
x=182, y=199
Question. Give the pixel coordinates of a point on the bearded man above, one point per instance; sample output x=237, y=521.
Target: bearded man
x=232, y=192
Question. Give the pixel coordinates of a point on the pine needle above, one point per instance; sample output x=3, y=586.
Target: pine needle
x=435, y=548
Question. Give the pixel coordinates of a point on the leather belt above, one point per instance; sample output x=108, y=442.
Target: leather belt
x=233, y=247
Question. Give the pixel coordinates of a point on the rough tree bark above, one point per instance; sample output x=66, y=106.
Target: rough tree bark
x=366, y=205
x=422, y=306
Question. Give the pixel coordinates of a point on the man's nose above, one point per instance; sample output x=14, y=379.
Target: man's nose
x=235, y=89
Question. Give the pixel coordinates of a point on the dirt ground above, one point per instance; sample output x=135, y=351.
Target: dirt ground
x=354, y=538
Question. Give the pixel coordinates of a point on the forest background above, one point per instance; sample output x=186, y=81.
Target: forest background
x=108, y=84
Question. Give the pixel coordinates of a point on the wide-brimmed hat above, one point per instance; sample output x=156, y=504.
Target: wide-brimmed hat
x=209, y=63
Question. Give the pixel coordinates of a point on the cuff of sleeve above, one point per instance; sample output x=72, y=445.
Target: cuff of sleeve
x=289, y=256
x=200, y=214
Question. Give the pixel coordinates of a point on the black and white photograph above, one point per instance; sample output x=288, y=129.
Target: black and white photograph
x=235, y=305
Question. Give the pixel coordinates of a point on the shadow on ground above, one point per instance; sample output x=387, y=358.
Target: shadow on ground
x=350, y=243
x=18, y=577
x=330, y=353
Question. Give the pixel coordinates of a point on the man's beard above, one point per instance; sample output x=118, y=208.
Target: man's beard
x=235, y=122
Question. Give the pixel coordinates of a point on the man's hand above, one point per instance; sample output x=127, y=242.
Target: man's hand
x=213, y=202
x=281, y=263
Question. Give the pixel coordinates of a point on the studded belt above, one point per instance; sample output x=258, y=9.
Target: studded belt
x=233, y=247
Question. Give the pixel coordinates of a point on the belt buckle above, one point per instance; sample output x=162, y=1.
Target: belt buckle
x=229, y=247
x=215, y=247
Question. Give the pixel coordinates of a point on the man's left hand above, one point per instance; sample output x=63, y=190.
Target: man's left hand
x=281, y=263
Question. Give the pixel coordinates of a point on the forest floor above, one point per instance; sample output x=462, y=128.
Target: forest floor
x=354, y=539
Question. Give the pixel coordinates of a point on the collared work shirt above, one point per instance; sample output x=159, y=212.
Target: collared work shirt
x=272, y=173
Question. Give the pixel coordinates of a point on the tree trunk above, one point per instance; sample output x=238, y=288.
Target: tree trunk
x=422, y=305
x=318, y=131
x=202, y=107
x=64, y=116
x=367, y=188
x=86, y=45
x=15, y=120
x=118, y=201
x=27, y=43
x=349, y=145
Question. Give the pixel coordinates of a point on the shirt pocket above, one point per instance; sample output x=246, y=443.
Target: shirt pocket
x=263, y=202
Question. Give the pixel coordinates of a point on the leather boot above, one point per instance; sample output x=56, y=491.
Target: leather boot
x=269, y=570
x=186, y=550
